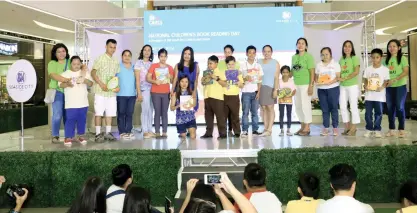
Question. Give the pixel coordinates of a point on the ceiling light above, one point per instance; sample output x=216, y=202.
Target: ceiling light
x=52, y=27
x=381, y=31
x=408, y=30
x=29, y=35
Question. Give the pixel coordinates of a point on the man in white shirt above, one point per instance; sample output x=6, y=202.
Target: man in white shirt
x=343, y=182
x=122, y=178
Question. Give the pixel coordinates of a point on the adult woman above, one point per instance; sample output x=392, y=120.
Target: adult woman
x=160, y=75
x=92, y=198
x=397, y=87
x=143, y=89
x=327, y=80
x=187, y=67
x=408, y=197
x=303, y=71
x=58, y=64
x=269, y=89
x=137, y=200
x=126, y=97
x=349, y=90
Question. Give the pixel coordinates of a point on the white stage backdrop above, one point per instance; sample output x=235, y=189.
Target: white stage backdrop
x=317, y=39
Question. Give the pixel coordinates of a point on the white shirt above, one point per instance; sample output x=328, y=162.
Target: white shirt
x=254, y=69
x=376, y=76
x=328, y=70
x=75, y=97
x=115, y=204
x=344, y=204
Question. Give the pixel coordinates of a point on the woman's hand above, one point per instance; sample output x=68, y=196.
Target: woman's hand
x=2, y=180
x=218, y=189
x=310, y=90
x=158, y=82
x=117, y=89
x=275, y=94
x=191, y=185
x=228, y=185
x=139, y=97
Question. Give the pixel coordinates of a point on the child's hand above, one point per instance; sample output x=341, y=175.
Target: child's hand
x=379, y=89
x=116, y=90
x=158, y=82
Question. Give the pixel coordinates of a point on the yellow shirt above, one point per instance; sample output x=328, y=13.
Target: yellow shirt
x=410, y=209
x=232, y=89
x=222, y=66
x=215, y=90
x=304, y=205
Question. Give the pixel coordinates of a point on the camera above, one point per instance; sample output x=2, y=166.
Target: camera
x=18, y=188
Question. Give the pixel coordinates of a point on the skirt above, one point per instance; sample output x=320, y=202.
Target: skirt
x=265, y=96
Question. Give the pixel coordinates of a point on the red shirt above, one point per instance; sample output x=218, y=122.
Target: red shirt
x=161, y=72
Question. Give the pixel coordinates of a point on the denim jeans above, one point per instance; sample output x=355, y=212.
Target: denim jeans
x=329, y=103
x=395, y=104
x=249, y=103
x=76, y=117
x=125, y=110
x=58, y=113
x=373, y=108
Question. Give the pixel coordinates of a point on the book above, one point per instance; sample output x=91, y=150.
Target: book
x=113, y=83
x=186, y=102
x=374, y=83
x=324, y=79
x=232, y=77
x=162, y=74
x=283, y=96
x=252, y=76
x=207, y=80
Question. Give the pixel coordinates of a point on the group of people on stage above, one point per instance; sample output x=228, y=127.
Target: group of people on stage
x=260, y=82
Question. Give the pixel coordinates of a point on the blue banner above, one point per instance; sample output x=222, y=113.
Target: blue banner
x=209, y=30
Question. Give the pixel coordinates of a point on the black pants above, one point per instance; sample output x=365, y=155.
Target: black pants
x=281, y=115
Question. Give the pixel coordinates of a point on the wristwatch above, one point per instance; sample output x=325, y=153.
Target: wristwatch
x=218, y=79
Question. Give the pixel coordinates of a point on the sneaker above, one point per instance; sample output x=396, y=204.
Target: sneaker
x=147, y=135
x=99, y=138
x=281, y=133
x=82, y=140
x=289, y=133
x=124, y=136
x=237, y=135
x=368, y=134
x=244, y=134
x=132, y=136
x=378, y=134
x=256, y=133
x=68, y=142
x=324, y=132
x=109, y=137
x=206, y=136
x=55, y=140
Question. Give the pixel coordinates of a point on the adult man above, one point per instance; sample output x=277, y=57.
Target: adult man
x=104, y=69
x=343, y=182
x=122, y=178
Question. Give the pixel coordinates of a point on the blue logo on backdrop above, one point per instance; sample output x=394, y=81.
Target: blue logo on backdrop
x=20, y=77
x=209, y=30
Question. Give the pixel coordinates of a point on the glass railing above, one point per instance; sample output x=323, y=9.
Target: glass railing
x=129, y=3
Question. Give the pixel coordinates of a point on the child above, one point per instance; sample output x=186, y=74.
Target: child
x=213, y=81
x=231, y=94
x=375, y=80
x=287, y=91
x=185, y=118
x=76, y=101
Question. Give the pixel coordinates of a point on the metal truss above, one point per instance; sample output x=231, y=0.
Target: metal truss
x=111, y=26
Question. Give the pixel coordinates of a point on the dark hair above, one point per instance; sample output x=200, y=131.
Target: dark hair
x=137, y=200
x=141, y=53
x=91, y=199
x=342, y=176
x=263, y=48
x=353, y=48
x=162, y=51
x=299, y=39
x=230, y=47
x=377, y=51
x=285, y=67
x=191, y=65
x=120, y=174
x=399, y=54
x=214, y=58
x=328, y=49
x=178, y=89
x=309, y=185
x=255, y=175
x=55, y=48
x=75, y=57
x=409, y=191
x=200, y=206
x=126, y=51
x=111, y=41
x=250, y=47
x=204, y=192
x=229, y=59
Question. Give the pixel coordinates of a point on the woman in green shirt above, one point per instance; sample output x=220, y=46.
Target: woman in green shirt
x=397, y=86
x=349, y=89
x=303, y=68
x=58, y=64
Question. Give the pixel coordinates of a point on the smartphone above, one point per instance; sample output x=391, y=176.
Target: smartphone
x=210, y=179
x=167, y=205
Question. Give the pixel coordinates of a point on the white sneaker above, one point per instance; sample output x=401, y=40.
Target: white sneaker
x=124, y=136
x=368, y=134
x=132, y=136
x=244, y=134
x=378, y=134
x=281, y=133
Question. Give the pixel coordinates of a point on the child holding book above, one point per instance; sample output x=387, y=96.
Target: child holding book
x=213, y=81
x=184, y=101
x=231, y=94
x=76, y=101
x=286, y=93
x=376, y=78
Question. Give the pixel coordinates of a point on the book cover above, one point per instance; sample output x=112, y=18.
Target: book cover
x=374, y=83
x=283, y=96
x=252, y=76
x=113, y=83
x=186, y=102
x=324, y=79
x=162, y=74
x=232, y=77
x=207, y=80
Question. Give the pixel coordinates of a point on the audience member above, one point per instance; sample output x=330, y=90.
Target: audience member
x=308, y=189
x=197, y=190
x=408, y=197
x=122, y=178
x=254, y=182
x=20, y=200
x=343, y=182
x=137, y=200
x=92, y=198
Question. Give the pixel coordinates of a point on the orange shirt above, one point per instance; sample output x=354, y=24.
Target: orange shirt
x=162, y=74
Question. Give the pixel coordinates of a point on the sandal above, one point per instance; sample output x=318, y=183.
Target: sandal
x=346, y=132
x=352, y=132
x=324, y=132
x=298, y=132
x=401, y=134
x=390, y=133
x=335, y=132
x=304, y=133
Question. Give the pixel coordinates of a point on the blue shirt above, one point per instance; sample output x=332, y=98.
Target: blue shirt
x=127, y=81
x=269, y=70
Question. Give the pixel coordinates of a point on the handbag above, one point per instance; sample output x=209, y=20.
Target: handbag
x=50, y=93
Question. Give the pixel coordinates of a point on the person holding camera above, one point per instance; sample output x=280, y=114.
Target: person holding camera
x=19, y=199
